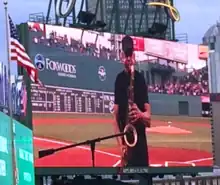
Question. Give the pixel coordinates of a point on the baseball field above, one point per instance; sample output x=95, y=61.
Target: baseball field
x=172, y=141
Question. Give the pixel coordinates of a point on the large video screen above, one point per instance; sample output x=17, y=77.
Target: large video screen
x=78, y=69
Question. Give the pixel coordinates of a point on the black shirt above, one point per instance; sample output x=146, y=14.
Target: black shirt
x=139, y=155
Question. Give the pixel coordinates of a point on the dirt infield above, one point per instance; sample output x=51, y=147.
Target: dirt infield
x=180, y=142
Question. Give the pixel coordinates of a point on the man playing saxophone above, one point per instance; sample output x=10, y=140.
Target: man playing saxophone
x=138, y=113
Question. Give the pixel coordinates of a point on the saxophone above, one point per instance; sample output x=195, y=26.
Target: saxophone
x=130, y=133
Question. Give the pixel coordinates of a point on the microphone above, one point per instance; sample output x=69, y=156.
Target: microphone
x=127, y=46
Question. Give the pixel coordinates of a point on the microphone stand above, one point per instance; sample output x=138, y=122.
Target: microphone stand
x=92, y=143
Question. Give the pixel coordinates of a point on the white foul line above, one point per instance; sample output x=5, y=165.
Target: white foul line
x=199, y=160
x=192, y=162
x=178, y=162
x=117, y=163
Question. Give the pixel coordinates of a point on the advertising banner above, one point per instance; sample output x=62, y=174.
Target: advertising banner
x=24, y=153
x=173, y=51
x=23, y=136
x=59, y=68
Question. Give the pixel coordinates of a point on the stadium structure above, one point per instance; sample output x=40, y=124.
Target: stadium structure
x=132, y=17
x=211, y=33
x=169, y=81
x=118, y=16
x=67, y=54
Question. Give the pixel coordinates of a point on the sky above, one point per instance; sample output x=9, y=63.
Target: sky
x=196, y=17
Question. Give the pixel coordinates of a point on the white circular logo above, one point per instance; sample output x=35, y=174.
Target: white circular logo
x=39, y=62
x=111, y=106
x=102, y=73
x=67, y=11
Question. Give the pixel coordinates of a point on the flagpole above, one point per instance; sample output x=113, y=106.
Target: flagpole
x=14, y=168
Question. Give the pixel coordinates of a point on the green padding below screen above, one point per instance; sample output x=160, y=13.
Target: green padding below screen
x=24, y=152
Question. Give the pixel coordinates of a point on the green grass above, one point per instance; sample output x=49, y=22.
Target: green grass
x=107, y=116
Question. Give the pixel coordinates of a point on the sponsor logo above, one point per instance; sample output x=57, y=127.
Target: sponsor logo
x=2, y=168
x=109, y=105
x=61, y=12
x=27, y=177
x=135, y=170
x=172, y=11
x=62, y=69
x=102, y=73
x=203, y=52
x=39, y=62
x=3, y=144
x=26, y=156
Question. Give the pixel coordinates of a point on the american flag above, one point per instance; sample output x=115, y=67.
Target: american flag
x=18, y=53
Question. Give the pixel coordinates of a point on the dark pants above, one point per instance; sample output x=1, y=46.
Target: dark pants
x=138, y=155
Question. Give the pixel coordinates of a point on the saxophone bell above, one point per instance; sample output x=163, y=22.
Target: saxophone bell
x=130, y=136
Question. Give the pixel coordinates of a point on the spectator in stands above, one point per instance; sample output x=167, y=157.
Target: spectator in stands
x=195, y=83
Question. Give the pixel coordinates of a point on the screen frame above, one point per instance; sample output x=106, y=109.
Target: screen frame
x=47, y=171
x=113, y=170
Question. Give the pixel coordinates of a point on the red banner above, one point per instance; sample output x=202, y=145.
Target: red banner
x=205, y=99
x=138, y=43
x=203, y=52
